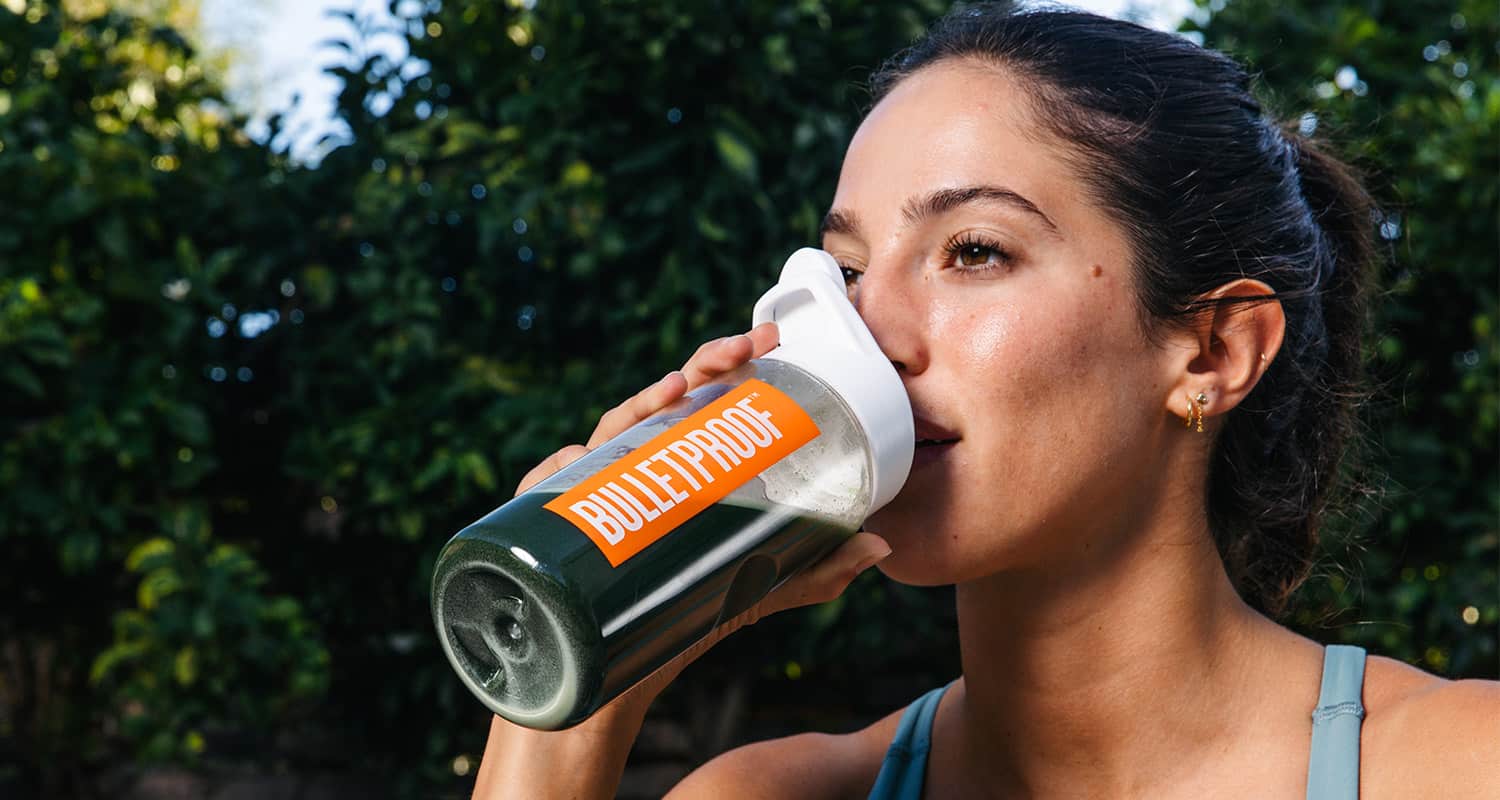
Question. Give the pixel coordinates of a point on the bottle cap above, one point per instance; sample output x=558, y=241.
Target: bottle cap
x=822, y=333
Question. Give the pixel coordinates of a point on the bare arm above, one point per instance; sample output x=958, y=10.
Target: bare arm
x=585, y=761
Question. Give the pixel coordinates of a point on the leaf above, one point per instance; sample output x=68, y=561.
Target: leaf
x=80, y=551
x=478, y=469
x=189, y=424
x=114, y=238
x=147, y=554
x=185, y=666
x=112, y=657
x=409, y=524
x=158, y=584
x=736, y=155
x=711, y=230
x=21, y=377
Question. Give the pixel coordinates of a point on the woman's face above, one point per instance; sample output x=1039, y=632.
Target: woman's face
x=1004, y=297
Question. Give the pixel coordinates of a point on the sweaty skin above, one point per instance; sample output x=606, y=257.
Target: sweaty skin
x=1041, y=366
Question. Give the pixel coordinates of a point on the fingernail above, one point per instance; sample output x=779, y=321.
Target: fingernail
x=871, y=560
x=668, y=377
x=735, y=338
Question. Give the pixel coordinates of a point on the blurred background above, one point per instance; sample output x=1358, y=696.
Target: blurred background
x=292, y=291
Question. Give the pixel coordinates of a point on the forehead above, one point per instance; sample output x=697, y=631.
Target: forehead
x=956, y=123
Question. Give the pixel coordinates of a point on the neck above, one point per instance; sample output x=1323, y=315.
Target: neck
x=1102, y=676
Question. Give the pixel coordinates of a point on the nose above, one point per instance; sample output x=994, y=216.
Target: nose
x=888, y=298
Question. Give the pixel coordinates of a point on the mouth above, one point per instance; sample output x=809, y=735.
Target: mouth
x=930, y=433
x=933, y=441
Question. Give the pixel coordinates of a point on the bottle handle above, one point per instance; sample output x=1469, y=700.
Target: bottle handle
x=811, y=307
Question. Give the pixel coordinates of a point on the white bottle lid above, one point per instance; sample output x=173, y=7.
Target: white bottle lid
x=822, y=333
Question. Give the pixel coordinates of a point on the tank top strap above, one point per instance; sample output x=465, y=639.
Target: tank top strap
x=1333, y=761
x=905, y=765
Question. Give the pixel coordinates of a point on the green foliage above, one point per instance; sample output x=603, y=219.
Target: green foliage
x=1417, y=104
x=204, y=644
x=132, y=210
x=245, y=402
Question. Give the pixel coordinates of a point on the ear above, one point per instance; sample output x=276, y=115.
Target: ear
x=1227, y=348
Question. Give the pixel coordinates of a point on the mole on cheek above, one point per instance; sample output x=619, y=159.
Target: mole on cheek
x=1096, y=270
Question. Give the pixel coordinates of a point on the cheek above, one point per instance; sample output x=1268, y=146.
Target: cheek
x=1027, y=357
x=1044, y=380
x=985, y=339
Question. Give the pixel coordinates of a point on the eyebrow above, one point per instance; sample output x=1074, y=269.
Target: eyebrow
x=939, y=202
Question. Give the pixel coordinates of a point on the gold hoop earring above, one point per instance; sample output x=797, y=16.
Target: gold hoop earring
x=1195, y=410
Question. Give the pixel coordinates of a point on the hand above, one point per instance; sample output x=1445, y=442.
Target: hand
x=603, y=741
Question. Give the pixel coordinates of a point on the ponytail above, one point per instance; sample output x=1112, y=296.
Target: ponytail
x=1278, y=464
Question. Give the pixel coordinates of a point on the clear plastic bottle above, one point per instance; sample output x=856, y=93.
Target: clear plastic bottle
x=553, y=604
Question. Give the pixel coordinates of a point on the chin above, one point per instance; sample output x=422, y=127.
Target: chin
x=922, y=553
x=937, y=548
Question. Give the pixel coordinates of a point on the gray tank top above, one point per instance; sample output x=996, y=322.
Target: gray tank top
x=1333, y=761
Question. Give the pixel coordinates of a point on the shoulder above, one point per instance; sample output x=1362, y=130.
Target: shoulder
x=807, y=766
x=1424, y=736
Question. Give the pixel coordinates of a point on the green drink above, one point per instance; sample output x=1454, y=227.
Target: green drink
x=548, y=633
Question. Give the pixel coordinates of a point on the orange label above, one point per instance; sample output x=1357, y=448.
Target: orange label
x=688, y=467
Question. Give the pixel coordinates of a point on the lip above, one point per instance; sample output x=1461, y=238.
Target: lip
x=934, y=442
x=927, y=430
x=930, y=453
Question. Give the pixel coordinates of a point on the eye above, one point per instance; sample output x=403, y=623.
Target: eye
x=851, y=275
x=974, y=253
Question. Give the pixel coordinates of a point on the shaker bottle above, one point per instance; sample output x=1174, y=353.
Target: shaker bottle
x=555, y=603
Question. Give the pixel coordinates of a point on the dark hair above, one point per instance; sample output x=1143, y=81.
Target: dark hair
x=1173, y=144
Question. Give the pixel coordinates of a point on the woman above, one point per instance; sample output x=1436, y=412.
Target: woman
x=1129, y=307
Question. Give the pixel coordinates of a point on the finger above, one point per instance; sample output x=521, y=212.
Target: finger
x=717, y=357
x=765, y=337
x=551, y=464
x=643, y=404
x=829, y=577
